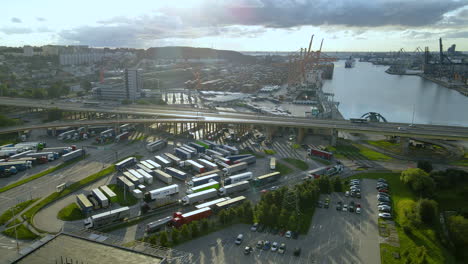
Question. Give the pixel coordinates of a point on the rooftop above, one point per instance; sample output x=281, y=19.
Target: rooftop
x=66, y=247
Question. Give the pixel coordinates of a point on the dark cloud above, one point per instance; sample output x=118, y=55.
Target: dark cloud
x=41, y=19
x=229, y=18
x=16, y=20
x=15, y=30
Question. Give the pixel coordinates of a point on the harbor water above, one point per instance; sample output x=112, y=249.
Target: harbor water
x=367, y=88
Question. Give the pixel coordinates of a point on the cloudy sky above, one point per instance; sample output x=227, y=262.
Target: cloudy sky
x=245, y=25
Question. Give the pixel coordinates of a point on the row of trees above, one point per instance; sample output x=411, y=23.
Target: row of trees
x=53, y=91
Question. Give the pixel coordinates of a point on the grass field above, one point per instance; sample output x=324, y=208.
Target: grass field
x=130, y=199
x=424, y=236
x=283, y=169
x=461, y=162
x=356, y=152
x=9, y=213
x=269, y=151
x=302, y=165
x=40, y=174
x=22, y=232
x=70, y=212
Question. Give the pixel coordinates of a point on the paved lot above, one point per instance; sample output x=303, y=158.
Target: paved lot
x=334, y=237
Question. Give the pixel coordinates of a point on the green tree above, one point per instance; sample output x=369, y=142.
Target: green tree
x=409, y=175
x=86, y=85
x=38, y=93
x=248, y=212
x=427, y=210
x=205, y=225
x=194, y=228
x=293, y=223
x=337, y=185
x=222, y=217
x=175, y=235
x=163, y=239
x=54, y=91
x=324, y=184
x=458, y=227
x=185, y=232
x=283, y=218
x=273, y=215
x=425, y=166
x=419, y=181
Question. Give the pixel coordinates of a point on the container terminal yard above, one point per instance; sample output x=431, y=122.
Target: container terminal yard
x=220, y=160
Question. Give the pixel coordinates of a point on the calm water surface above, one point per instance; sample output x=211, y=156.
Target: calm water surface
x=367, y=88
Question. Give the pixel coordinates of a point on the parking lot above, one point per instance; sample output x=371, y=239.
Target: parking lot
x=334, y=237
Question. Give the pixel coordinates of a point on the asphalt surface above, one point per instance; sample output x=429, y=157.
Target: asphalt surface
x=334, y=237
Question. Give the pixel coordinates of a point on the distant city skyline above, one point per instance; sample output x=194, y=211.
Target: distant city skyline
x=242, y=25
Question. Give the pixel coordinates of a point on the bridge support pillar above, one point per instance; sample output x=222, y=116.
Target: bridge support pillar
x=334, y=137
x=404, y=144
x=300, y=135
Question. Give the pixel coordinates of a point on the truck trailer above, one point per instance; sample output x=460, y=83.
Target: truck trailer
x=163, y=176
x=128, y=162
x=208, y=164
x=206, y=186
x=175, y=160
x=195, y=166
x=235, y=168
x=101, y=198
x=148, y=178
x=202, y=180
x=233, y=188
x=199, y=196
x=107, y=218
x=246, y=176
x=249, y=160
x=198, y=147
x=157, y=145
x=125, y=183
x=158, y=224
x=182, y=154
x=108, y=193
x=163, y=192
x=267, y=178
x=180, y=219
x=162, y=161
x=85, y=205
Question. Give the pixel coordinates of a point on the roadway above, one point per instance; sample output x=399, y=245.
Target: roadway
x=195, y=115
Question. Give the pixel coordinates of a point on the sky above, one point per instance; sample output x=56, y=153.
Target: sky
x=243, y=25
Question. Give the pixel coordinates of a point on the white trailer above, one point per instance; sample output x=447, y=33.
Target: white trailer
x=101, y=198
x=175, y=160
x=106, y=218
x=131, y=177
x=164, y=177
x=162, y=161
x=137, y=175
x=233, y=150
x=213, y=202
x=199, y=196
x=155, y=165
x=146, y=176
x=145, y=169
x=125, y=183
x=208, y=164
x=148, y=165
x=190, y=148
x=195, y=166
x=232, y=188
x=246, y=176
x=156, y=225
x=235, y=168
x=164, y=192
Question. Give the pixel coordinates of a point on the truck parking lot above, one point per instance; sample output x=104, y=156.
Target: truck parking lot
x=334, y=237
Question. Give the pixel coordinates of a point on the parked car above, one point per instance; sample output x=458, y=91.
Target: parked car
x=294, y=235
x=383, y=199
x=297, y=252
x=383, y=190
x=385, y=215
x=319, y=204
x=339, y=206
x=260, y=244
x=274, y=246
x=282, y=248
x=384, y=203
x=247, y=250
x=351, y=207
x=358, y=210
x=326, y=205
x=381, y=180
x=345, y=208
x=288, y=234
x=358, y=195
x=254, y=227
x=239, y=239
x=346, y=194
x=383, y=195
x=266, y=245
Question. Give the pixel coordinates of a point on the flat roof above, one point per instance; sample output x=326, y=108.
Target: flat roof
x=66, y=246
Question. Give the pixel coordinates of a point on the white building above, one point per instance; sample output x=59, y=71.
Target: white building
x=28, y=51
x=79, y=58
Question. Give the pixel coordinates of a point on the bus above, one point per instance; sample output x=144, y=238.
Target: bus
x=358, y=120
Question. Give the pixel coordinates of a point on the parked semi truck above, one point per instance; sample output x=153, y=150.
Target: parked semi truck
x=195, y=166
x=208, y=164
x=267, y=178
x=175, y=160
x=107, y=218
x=180, y=219
x=178, y=174
x=233, y=188
x=200, y=196
x=249, y=160
x=141, y=166
x=219, y=172
x=246, y=176
x=235, y=168
x=202, y=180
x=158, y=224
x=163, y=192
x=137, y=175
x=224, y=152
x=206, y=186
x=194, y=150
x=148, y=205
x=157, y=145
x=198, y=147
x=212, y=202
x=273, y=163
x=108, y=193
x=73, y=155
x=320, y=153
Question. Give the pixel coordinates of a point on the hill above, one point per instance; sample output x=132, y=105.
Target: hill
x=197, y=53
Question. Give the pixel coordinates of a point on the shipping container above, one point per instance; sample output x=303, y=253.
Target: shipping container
x=93, y=201
x=162, y=161
x=125, y=183
x=128, y=162
x=101, y=198
x=140, y=166
x=163, y=176
x=246, y=176
x=85, y=205
x=147, y=177
x=178, y=174
x=175, y=160
x=109, y=193
x=197, y=167
x=182, y=153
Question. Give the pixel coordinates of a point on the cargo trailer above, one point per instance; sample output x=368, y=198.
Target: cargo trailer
x=73, y=155
x=206, y=186
x=157, y=145
x=222, y=151
x=142, y=167
x=128, y=162
x=198, y=147
x=180, y=219
x=137, y=175
x=190, y=148
x=162, y=161
x=246, y=176
x=163, y=192
x=232, y=188
x=155, y=165
x=180, y=175
x=208, y=164
x=232, y=150
x=199, y=196
x=267, y=178
x=125, y=183
x=229, y=203
x=101, y=198
x=211, y=153
x=147, y=177
x=197, y=167
x=137, y=194
x=158, y=224
x=211, y=203
x=222, y=159
x=85, y=205
x=202, y=180
x=182, y=153
x=109, y=193
x=249, y=160
x=206, y=157
x=235, y=168
x=219, y=172
x=163, y=176
x=175, y=160
x=158, y=203
x=273, y=163
x=191, y=151
x=131, y=177
x=107, y=218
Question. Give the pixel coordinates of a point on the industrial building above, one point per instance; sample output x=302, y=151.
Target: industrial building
x=130, y=89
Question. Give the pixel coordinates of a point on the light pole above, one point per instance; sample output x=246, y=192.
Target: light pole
x=412, y=120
